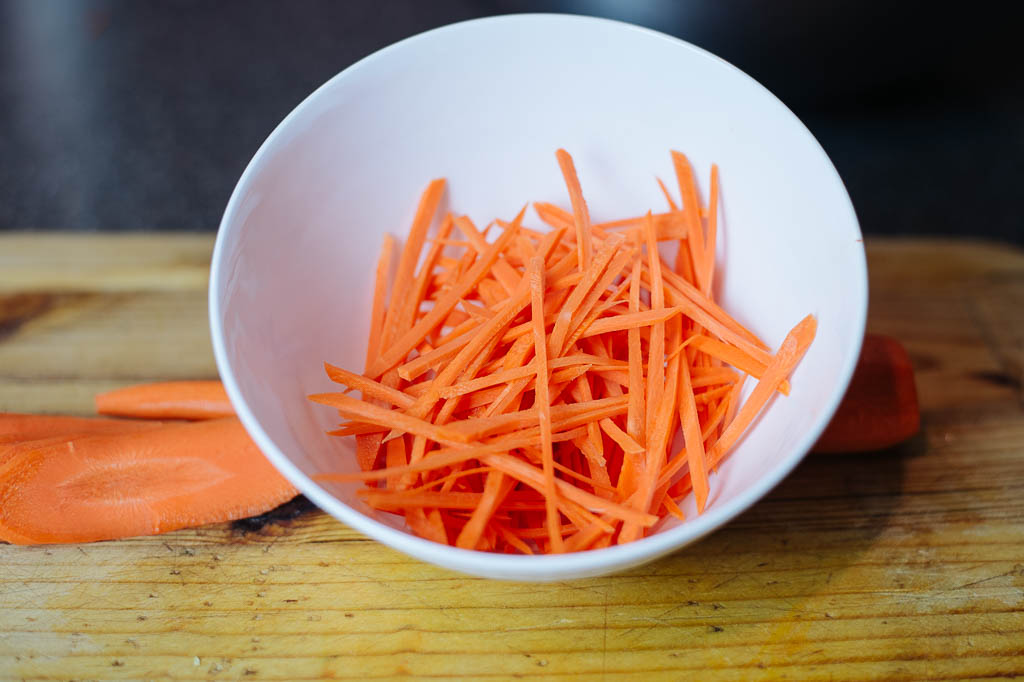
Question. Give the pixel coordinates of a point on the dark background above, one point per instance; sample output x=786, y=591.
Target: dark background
x=138, y=114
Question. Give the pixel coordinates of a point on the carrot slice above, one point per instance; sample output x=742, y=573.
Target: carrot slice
x=15, y=427
x=167, y=400
x=880, y=407
x=106, y=486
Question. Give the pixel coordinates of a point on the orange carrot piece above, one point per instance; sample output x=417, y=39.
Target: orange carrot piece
x=632, y=463
x=594, y=450
x=656, y=349
x=621, y=438
x=880, y=407
x=419, y=287
x=692, y=435
x=488, y=332
x=668, y=197
x=540, y=351
x=430, y=528
x=167, y=400
x=368, y=387
x=673, y=508
x=534, y=478
x=107, y=486
x=581, y=216
x=666, y=225
x=496, y=489
x=789, y=354
x=448, y=408
x=395, y=455
x=589, y=311
x=591, y=274
x=15, y=427
x=400, y=289
x=554, y=216
x=444, y=305
x=659, y=438
x=491, y=341
x=712, y=396
x=563, y=417
x=467, y=228
x=357, y=409
x=691, y=212
x=446, y=457
x=505, y=376
x=705, y=320
x=630, y=320
x=712, y=241
x=380, y=292
x=712, y=376
x=450, y=345
x=734, y=356
x=679, y=285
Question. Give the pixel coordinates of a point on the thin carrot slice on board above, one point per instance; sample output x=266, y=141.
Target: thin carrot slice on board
x=15, y=427
x=101, y=487
x=167, y=400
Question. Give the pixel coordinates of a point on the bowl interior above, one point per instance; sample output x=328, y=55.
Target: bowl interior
x=485, y=104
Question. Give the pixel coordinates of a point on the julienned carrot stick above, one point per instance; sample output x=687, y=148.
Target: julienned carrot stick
x=694, y=247
x=540, y=350
x=790, y=352
x=106, y=486
x=692, y=434
x=668, y=197
x=443, y=305
x=656, y=347
x=528, y=390
x=712, y=242
x=734, y=356
x=368, y=387
x=410, y=254
x=167, y=400
x=368, y=444
x=581, y=216
x=356, y=409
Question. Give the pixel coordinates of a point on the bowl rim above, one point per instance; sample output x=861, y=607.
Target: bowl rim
x=509, y=566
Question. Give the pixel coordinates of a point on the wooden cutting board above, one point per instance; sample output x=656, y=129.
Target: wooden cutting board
x=907, y=564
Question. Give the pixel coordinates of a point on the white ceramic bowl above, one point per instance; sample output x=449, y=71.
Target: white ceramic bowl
x=485, y=103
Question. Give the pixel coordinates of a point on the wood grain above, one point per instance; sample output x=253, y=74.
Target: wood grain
x=903, y=565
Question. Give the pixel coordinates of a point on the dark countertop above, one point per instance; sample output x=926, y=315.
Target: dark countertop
x=132, y=114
